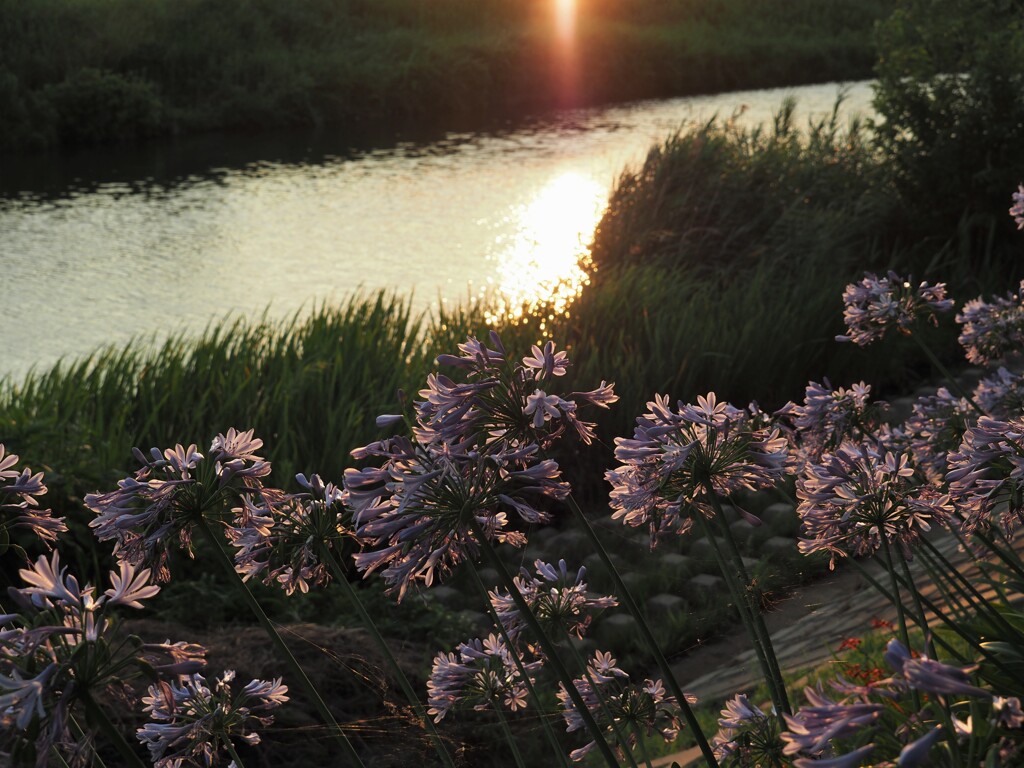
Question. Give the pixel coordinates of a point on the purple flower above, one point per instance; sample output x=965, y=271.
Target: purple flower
x=813, y=728
x=62, y=644
x=875, y=304
x=19, y=502
x=556, y=598
x=192, y=722
x=992, y=330
x=746, y=735
x=172, y=491
x=481, y=673
x=475, y=462
x=930, y=676
x=633, y=707
x=1017, y=209
x=827, y=418
x=278, y=536
x=986, y=475
x=936, y=427
x=1001, y=395
x=856, y=496
x=676, y=457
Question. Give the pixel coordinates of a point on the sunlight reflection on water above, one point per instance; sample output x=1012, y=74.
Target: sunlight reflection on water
x=545, y=264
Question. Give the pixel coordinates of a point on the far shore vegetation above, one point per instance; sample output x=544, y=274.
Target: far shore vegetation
x=78, y=72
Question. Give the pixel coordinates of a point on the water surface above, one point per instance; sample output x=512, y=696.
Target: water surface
x=109, y=244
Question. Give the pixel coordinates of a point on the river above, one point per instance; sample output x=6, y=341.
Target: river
x=110, y=244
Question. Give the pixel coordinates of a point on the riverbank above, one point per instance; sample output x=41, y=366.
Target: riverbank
x=88, y=72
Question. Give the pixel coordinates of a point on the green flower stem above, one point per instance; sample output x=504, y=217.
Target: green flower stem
x=60, y=758
x=275, y=638
x=99, y=718
x=327, y=557
x=979, y=603
x=76, y=729
x=234, y=755
x=739, y=597
x=602, y=700
x=921, y=618
x=897, y=600
x=954, y=384
x=513, y=747
x=760, y=628
x=548, y=731
x=643, y=747
x=645, y=632
x=546, y=643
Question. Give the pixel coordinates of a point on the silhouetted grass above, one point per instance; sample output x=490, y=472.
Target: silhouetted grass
x=97, y=70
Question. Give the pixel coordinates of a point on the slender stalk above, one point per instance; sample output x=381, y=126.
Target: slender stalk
x=513, y=747
x=548, y=731
x=953, y=383
x=744, y=610
x=897, y=601
x=546, y=643
x=76, y=729
x=760, y=628
x=99, y=718
x=645, y=632
x=327, y=556
x=60, y=758
x=602, y=700
x=234, y=755
x=921, y=618
x=282, y=649
x=643, y=747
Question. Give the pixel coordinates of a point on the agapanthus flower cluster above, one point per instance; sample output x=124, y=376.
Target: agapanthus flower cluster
x=1001, y=395
x=480, y=673
x=633, y=707
x=986, y=475
x=874, y=305
x=675, y=458
x=747, y=736
x=935, y=427
x=826, y=418
x=170, y=492
x=20, y=490
x=475, y=464
x=192, y=723
x=557, y=598
x=992, y=330
x=858, y=495
x=1017, y=209
x=62, y=644
x=883, y=711
x=278, y=536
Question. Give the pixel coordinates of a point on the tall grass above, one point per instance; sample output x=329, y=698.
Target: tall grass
x=173, y=66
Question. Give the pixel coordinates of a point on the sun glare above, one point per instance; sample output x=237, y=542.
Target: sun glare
x=544, y=267
x=565, y=19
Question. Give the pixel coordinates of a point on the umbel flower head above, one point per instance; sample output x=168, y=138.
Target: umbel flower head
x=935, y=427
x=876, y=304
x=1017, y=209
x=557, y=598
x=986, y=475
x=171, y=492
x=1001, y=395
x=481, y=674
x=992, y=330
x=61, y=644
x=675, y=458
x=828, y=417
x=857, y=495
x=195, y=724
x=633, y=707
x=278, y=536
x=20, y=490
x=474, y=464
x=747, y=736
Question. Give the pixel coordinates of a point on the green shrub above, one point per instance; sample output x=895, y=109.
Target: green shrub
x=95, y=105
